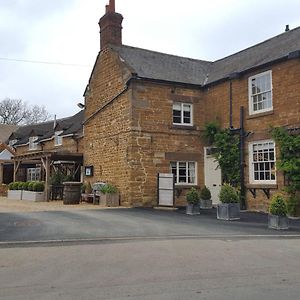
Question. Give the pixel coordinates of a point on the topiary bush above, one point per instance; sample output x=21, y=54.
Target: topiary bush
x=278, y=206
x=192, y=196
x=205, y=193
x=39, y=186
x=31, y=186
x=11, y=186
x=228, y=194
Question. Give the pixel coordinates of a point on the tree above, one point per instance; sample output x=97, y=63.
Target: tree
x=18, y=112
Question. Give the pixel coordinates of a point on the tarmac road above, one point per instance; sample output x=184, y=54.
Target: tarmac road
x=129, y=223
x=154, y=270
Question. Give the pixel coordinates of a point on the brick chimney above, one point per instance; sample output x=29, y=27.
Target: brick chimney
x=110, y=26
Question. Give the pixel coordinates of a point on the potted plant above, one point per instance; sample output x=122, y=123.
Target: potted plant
x=86, y=192
x=229, y=208
x=277, y=218
x=192, y=199
x=205, y=198
x=14, y=193
x=34, y=191
x=109, y=195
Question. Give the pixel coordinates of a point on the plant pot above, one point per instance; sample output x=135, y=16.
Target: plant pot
x=193, y=209
x=228, y=211
x=278, y=222
x=72, y=192
x=111, y=200
x=14, y=194
x=33, y=196
x=205, y=204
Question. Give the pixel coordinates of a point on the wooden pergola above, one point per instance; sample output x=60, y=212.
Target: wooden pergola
x=46, y=159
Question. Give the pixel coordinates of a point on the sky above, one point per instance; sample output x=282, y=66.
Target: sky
x=61, y=37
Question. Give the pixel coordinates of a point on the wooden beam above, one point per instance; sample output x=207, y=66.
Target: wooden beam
x=1, y=173
x=47, y=181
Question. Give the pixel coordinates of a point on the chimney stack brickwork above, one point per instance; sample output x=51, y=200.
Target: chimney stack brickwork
x=110, y=26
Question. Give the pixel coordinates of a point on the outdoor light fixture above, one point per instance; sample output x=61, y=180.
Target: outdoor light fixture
x=80, y=105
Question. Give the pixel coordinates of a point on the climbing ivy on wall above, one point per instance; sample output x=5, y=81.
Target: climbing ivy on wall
x=227, y=151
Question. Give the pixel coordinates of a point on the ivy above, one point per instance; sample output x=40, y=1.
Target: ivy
x=289, y=163
x=227, y=152
x=289, y=159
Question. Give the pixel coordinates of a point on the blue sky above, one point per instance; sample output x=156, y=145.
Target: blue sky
x=67, y=32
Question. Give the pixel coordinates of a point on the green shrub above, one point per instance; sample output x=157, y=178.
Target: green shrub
x=278, y=206
x=108, y=189
x=39, y=186
x=11, y=186
x=31, y=186
x=25, y=185
x=19, y=185
x=292, y=205
x=205, y=193
x=57, y=178
x=83, y=188
x=192, y=196
x=228, y=194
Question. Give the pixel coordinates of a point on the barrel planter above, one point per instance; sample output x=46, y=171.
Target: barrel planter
x=72, y=192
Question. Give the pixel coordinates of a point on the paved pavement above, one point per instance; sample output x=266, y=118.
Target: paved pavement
x=131, y=224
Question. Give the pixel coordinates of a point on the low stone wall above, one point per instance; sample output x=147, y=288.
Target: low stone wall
x=3, y=190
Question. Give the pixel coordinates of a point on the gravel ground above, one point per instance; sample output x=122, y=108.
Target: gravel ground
x=8, y=205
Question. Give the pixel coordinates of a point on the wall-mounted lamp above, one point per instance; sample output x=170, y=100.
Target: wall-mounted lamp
x=80, y=105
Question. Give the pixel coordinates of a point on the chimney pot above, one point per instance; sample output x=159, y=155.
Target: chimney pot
x=287, y=28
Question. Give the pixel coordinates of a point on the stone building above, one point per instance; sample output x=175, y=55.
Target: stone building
x=38, y=150
x=145, y=113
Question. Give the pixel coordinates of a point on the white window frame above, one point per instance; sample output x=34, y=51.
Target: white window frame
x=252, y=163
x=182, y=104
x=33, y=174
x=251, y=95
x=32, y=144
x=58, y=140
x=177, y=182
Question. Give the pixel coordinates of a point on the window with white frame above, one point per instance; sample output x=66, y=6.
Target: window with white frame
x=184, y=172
x=260, y=93
x=182, y=113
x=32, y=143
x=262, y=162
x=33, y=174
x=58, y=138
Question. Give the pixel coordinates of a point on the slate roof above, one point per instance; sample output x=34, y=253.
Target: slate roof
x=70, y=126
x=160, y=66
x=5, y=131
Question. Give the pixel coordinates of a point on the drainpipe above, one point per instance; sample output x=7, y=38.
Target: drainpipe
x=242, y=158
x=230, y=103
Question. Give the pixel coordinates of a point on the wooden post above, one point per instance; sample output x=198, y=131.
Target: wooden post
x=47, y=187
x=1, y=172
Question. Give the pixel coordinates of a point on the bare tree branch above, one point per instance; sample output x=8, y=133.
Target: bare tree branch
x=17, y=112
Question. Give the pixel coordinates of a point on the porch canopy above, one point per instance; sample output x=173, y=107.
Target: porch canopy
x=47, y=159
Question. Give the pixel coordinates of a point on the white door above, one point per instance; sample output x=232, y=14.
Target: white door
x=212, y=174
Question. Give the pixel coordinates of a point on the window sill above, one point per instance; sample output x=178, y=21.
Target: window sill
x=184, y=127
x=262, y=114
x=185, y=186
x=262, y=186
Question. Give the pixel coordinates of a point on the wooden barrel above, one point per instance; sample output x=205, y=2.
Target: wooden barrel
x=72, y=192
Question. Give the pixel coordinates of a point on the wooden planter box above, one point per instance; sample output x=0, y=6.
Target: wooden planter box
x=14, y=194
x=33, y=196
x=193, y=209
x=228, y=211
x=110, y=200
x=278, y=222
x=205, y=204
